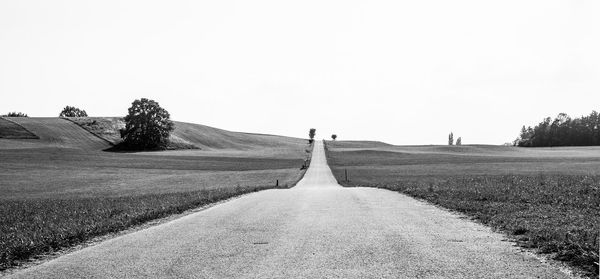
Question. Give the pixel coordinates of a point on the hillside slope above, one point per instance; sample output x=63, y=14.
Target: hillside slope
x=53, y=132
x=207, y=139
x=218, y=140
x=11, y=130
x=100, y=133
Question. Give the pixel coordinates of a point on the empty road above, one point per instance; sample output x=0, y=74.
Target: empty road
x=317, y=229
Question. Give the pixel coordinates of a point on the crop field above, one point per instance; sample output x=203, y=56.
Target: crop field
x=61, y=189
x=544, y=198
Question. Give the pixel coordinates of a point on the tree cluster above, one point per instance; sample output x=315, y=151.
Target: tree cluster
x=15, y=114
x=70, y=111
x=562, y=131
x=451, y=139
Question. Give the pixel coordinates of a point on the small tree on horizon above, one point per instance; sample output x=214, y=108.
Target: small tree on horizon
x=70, y=111
x=451, y=139
x=459, y=141
x=311, y=134
x=147, y=126
x=16, y=114
x=334, y=136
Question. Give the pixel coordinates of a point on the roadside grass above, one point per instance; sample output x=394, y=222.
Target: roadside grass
x=38, y=226
x=54, y=198
x=543, y=201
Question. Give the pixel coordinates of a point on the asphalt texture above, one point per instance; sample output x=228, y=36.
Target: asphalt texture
x=317, y=229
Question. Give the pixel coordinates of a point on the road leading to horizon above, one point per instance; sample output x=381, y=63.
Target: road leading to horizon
x=317, y=229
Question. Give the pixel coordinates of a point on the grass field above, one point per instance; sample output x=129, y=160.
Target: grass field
x=61, y=189
x=12, y=130
x=195, y=136
x=545, y=198
x=53, y=132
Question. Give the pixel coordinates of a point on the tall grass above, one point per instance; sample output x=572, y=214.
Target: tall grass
x=37, y=226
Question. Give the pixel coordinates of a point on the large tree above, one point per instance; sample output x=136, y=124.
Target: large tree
x=147, y=126
x=70, y=111
x=451, y=139
x=334, y=136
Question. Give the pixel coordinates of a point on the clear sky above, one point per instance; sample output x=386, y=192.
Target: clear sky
x=404, y=72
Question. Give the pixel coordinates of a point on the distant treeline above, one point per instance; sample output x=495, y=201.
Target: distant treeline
x=562, y=131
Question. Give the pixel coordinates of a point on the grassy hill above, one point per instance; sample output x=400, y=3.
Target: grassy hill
x=100, y=133
x=11, y=130
x=53, y=132
x=212, y=140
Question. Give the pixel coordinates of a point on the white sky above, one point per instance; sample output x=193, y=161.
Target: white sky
x=404, y=72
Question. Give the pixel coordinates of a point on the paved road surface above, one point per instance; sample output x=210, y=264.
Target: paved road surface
x=318, y=229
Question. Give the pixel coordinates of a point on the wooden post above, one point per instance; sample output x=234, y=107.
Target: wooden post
x=277, y=183
x=346, y=174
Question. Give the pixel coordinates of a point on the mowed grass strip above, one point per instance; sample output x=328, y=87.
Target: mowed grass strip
x=37, y=226
x=547, y=202
x=60, y=133
x=12, y=130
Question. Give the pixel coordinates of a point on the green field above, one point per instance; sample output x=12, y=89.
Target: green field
x=545, y=198
x=62, y=189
